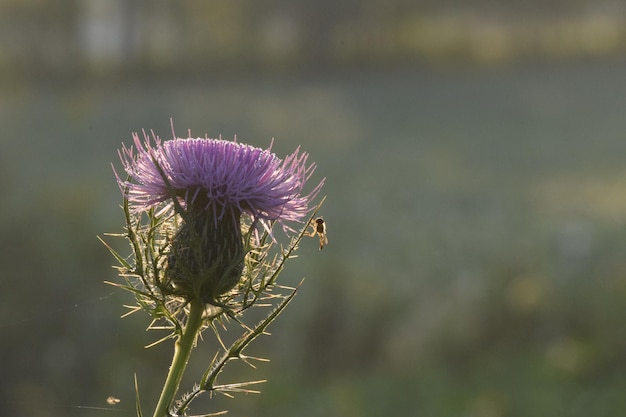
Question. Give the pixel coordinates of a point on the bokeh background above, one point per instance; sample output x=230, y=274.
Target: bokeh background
x=475, y=156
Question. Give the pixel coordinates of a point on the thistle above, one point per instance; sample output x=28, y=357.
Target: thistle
x=199, y=215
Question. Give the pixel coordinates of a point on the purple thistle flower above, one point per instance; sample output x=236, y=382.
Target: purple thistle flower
x=216, y=182
x=220, y=174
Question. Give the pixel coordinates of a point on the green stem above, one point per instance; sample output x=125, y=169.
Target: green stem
x=182, y=351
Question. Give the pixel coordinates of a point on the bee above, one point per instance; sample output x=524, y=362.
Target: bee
x=319, y=229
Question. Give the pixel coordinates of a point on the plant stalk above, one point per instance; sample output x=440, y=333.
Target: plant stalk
x=182, y=351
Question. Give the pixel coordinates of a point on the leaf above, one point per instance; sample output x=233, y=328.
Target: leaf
x=137, y=402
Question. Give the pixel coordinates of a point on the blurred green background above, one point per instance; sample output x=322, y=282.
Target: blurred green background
x=475, y=156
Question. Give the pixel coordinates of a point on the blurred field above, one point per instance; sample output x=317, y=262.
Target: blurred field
x=476, y=260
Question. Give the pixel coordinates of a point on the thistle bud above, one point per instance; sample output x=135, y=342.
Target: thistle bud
x=206, y=257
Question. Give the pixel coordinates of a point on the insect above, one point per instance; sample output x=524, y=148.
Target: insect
x=319, y=229
x=113, y=401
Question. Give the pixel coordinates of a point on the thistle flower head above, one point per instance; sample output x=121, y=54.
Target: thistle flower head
x=217, y=175
x=215, y=182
